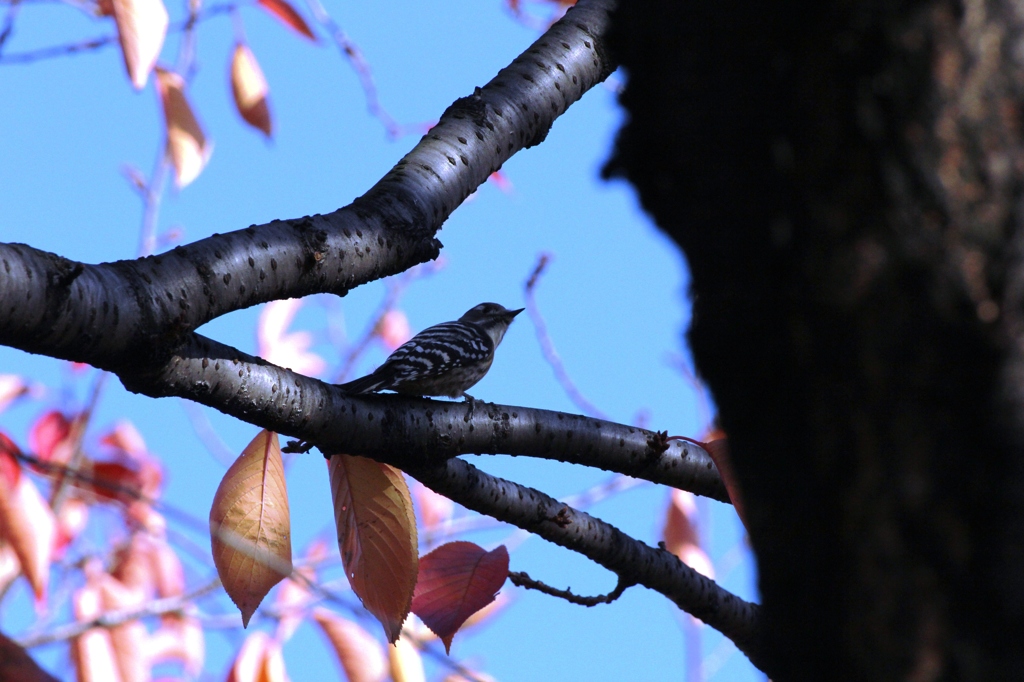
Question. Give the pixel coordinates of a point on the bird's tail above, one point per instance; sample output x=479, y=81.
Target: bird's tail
x=367, y=384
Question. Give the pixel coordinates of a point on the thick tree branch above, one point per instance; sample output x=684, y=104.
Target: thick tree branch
x=632, y=560
x=412, y=432
x=121, y=314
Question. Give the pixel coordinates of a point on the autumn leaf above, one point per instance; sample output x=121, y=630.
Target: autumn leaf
x=405, y=662
x=27, y=523
x=361, y=656
x=455, y=581
x=186, y=142
x=250, y=527
x=259, y=660
x=284, y=348
x=12, y=387
x=680, y=533
x=93, y=650
x=376, y=535
x=393, y=329
x=179, y=638
x=50, y=437
x=719, y=451
x=249, y=89
x=141, y=28
x=287, y=15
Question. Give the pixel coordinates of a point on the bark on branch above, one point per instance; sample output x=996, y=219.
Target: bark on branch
x=632, y=560
x=413, y=432
x=127, y=313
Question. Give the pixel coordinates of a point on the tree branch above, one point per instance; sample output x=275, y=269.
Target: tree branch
x=632, y=560
x=156, y=607
x=126, y=313
x=522, y=579
x=415, y=432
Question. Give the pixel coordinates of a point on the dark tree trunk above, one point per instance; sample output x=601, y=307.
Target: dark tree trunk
x=845, y=181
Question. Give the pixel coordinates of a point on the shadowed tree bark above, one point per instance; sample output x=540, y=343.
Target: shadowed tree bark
x=845, y=181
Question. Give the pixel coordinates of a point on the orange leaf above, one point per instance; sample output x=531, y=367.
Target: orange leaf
x=287, y=349
x=186, y=142
x=259, y=660
x=10, y=567
x=125, y=438
x=406, y=662
x=71, y=521
x=179, y=638
x=393, y=329
x=49, y=437
x=249, y=88
x=361, y=656
x=16, y=664
x=435, y=509
x=141, y=28
x=10, y=469
x=680, y=533
x=93, y=650
x=456, y=580
x=250, y=526
x=286, y=14
x=12, y=387
x=719, y=451
x=376, y=536
x=27, y=523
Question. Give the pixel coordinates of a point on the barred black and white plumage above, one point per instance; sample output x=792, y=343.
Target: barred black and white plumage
x=444, y=360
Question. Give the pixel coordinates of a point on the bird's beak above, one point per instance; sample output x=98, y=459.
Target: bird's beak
x=513, y=313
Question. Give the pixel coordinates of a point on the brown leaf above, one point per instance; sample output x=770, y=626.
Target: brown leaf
x=179, y=638
x=376, y=536
x=93, y=650
x=249, y=88
x=287, y=15
x=51, y=437
x=28, y=525
x=719, y=451
x=406, y=662
x=186, y=142
x=259, y=660
x=289, y=349
x=141, y=28
x=455, y=581
x=16, y=664
x=12, y=387
x=361, y=656
x=680, y=533
x=250, y=526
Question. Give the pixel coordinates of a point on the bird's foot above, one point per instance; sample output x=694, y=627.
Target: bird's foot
x=471, y=401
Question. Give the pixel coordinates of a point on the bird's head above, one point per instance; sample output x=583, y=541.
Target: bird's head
x=493, y=318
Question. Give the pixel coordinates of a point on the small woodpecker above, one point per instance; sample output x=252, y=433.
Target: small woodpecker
x=444, y=360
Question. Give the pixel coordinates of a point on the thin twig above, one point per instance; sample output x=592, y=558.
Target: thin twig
x=8, y=29
x=355, y=58
x=101, y=41
x=78, y=428
x=547, y=347
x=157, y=607
x=207, y=435
x=521, y=579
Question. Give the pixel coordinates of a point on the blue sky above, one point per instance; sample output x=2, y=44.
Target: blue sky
x=614, y=295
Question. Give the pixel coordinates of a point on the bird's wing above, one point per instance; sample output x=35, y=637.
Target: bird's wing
x=431, y=353
x=437, y=350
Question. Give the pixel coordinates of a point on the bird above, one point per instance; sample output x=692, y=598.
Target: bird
x=444, y=360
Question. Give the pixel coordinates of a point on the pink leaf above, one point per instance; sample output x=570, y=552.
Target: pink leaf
x=456, y=580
